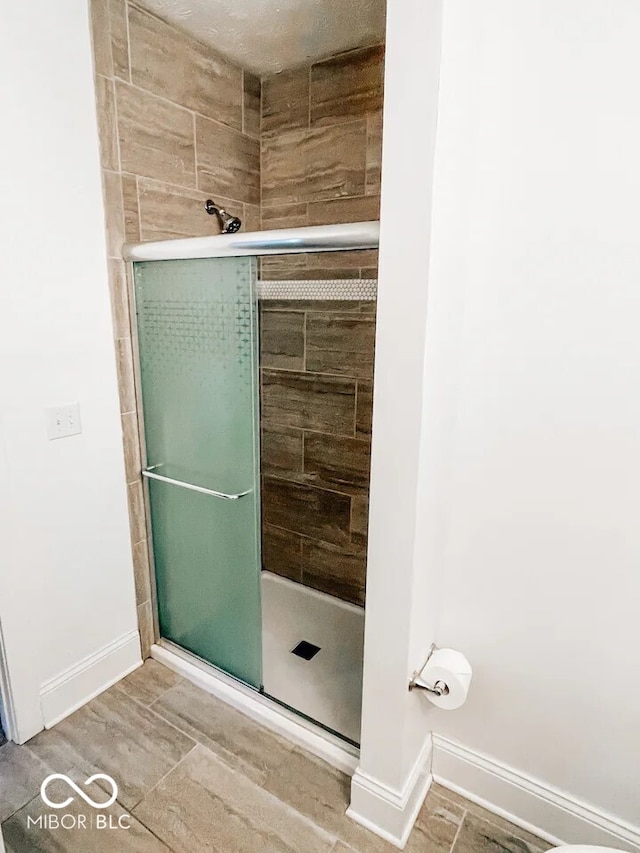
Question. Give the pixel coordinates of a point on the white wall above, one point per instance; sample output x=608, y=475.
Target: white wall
x=392, y=777
x=537, y=234
x=66, y=581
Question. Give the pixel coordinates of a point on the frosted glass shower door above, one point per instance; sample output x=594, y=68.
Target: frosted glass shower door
x=197, y=338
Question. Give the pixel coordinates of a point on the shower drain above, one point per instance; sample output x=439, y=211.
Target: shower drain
x=305, y=650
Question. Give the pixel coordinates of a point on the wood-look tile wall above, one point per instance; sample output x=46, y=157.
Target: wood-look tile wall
x=178, y=124
x=321, y=151
x=316, y=378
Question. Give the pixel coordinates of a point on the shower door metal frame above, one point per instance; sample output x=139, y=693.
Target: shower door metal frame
x=286, y=241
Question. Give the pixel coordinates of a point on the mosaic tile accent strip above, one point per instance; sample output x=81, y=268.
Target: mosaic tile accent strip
x=339, y=288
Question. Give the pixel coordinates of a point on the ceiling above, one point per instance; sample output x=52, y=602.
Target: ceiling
x=266, y=36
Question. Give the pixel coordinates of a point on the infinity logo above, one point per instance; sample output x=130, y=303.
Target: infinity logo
x=79, y=792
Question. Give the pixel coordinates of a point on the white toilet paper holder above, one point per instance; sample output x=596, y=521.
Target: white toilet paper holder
x=438, y=689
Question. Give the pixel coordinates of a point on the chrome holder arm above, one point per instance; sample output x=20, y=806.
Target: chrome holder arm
x=151, y=475
x=438, y=689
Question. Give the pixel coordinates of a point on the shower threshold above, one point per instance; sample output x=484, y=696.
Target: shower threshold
x=260, y=707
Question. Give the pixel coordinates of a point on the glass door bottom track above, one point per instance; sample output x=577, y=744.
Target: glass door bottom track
x=333, y=747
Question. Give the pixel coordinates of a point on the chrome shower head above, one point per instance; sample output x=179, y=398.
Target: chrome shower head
x=228, y=224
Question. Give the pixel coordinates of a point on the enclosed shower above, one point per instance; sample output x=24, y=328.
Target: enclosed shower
x=251, y=398
x=255, y=486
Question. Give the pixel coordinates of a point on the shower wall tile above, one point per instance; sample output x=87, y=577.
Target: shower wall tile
x=339, y=305
x=282, y=451
x=131, y=447
x=360, y=523
x=280, y=267
x=360, y=517
x=251, y=221
x=286, y=272
x=119, y=38
x=146, y=629
x=147, y=123
x=277, y=263
x=289, y=273
x=124, y=364
x=328, y=273
x=347, y=85
x=282, y=552
x=318, y=265
x=176, y=66
x=251, y=218
x=369, y=272
x=114, y=213
x=340, y=344
x=337, y=462
x=228, y=162
x=131, y=209
x=306, y=510
x=374, y=153
x=101, y=37
x=156, y=137
x=337, y=571
x=315, y=122
x=282, y=339
x=309, y=441
x=137, y=512
x=364, y=408
x=141, y=571
x=106, y=106
x=168, y=211
x=308, y=401
x=119, y=299
x=351, y=260
x=251, y=105
x=285, y=216
x=354, y=209
x=316, y=164
x=285, y=101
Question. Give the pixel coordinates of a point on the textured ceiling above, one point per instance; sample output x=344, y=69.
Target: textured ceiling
x=266, y=36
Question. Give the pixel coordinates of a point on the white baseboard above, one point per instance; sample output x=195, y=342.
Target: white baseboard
x=389, y=813
x=64, y=694
x=538, y=808
x=268, y=713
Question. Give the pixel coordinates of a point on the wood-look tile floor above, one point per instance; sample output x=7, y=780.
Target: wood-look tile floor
x=195, y=775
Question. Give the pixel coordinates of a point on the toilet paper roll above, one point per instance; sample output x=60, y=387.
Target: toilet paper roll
x=454, y=670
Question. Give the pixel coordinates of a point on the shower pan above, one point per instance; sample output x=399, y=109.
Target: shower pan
x=197, y=367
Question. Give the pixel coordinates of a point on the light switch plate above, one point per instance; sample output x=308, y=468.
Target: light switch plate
x=63, y=421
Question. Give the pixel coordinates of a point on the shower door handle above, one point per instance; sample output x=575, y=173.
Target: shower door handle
x=225, y=496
